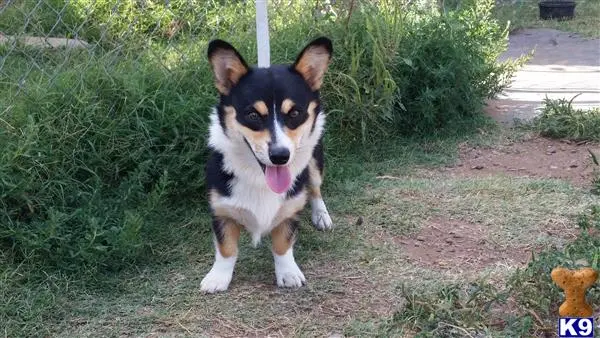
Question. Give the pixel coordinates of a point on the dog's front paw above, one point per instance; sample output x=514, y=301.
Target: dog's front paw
x=320, y=216
x=321, y=219
x=215, y=281
x=289, y=276
x=287, y=271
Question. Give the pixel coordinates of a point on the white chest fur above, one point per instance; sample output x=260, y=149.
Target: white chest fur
x=259, y=203
x=257, y=208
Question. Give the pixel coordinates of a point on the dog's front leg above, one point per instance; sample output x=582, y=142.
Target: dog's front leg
x=320, y=216
x=226, y=236
x=287, y=272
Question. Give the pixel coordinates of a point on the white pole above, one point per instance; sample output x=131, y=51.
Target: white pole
x=262, y=34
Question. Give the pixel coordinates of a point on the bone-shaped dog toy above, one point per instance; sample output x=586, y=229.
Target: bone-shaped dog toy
x=574, y=283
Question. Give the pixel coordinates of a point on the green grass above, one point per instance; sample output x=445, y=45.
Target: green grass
x=525, y=14
x=48, y=301
x=358, y=275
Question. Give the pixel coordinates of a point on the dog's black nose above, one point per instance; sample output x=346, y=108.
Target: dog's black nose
x=279, y=155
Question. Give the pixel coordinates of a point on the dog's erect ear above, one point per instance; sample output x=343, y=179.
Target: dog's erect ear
x=227, y=65
x=313, y=61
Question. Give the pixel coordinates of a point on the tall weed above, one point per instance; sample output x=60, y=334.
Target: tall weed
x=595, y=173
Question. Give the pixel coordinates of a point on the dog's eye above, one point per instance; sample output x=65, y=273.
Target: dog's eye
x=253, y=116
x=293, y=113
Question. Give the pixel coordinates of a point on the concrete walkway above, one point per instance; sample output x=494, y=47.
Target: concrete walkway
x=563, y=65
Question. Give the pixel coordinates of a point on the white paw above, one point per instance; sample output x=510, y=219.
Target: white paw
x=215, y=281
x=320, y=216
x=219, y=276
x=321, y=219
x=287, y=272
x=290, y=277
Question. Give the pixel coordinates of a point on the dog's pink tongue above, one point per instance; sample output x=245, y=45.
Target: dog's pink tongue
x=279, y=178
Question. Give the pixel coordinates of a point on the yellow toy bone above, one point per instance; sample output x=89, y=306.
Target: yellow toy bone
x=575, y=283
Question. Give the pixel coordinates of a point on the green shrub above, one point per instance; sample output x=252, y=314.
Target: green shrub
x=400, y=73
x=91, y=157
x=448, y=68
x=559, y=119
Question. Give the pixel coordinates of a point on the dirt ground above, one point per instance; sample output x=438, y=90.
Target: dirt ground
x=445, y=244
x=536, y=157
x=448, y=244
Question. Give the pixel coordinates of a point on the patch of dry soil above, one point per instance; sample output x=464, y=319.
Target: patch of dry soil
x=537, y=158
x=451, y=244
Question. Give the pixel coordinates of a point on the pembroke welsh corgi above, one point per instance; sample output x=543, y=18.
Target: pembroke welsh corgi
x=265, y=140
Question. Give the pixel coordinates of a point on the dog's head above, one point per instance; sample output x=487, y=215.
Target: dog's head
x=270, y=110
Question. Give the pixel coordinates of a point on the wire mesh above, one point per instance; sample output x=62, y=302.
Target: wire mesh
x=44, y=42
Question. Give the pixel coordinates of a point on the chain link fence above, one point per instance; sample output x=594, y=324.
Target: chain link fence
x=41, y=39
x=46, y=43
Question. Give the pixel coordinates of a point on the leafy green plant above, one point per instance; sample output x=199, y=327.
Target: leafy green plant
x=398, y=73
x=454, y=311
x=559, y=119
x=448, y=68
x=91, y=159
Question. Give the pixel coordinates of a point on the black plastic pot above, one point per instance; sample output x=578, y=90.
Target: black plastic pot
x=562, y=10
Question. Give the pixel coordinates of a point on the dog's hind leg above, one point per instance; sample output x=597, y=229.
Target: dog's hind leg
x=320, y=216
x=227, y=234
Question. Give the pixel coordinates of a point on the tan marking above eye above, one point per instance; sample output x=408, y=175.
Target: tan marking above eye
x=287, y=105
x=229, y=110
x=261, y=108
